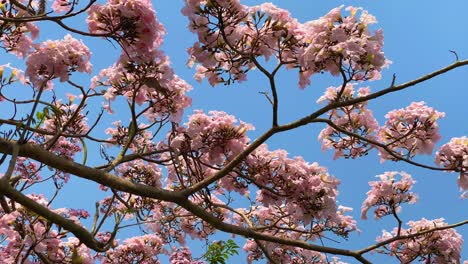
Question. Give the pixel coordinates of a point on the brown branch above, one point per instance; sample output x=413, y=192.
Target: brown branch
x=99, y=176
x=375, y=143
x=41, y=17
x=80, y=232
x=390, y=240
x=310, y=119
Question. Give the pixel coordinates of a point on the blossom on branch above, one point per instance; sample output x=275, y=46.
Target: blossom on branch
x=57, y=59
x=410, y=131
x=436, y=247
x=388, y=194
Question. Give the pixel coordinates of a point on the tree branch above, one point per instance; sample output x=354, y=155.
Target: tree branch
x=385, y=242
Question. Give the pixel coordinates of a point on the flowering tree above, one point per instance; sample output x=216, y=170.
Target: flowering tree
x=180, y=181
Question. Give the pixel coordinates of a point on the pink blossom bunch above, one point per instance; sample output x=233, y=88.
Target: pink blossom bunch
x=388, y=194
x=410, y=131
x=334, y=43
x=356, y=119
x=65, y=118
x=27, y=169
x=454, y=155
x=138, y=249
x=279, y=35
x=142, y=140
x=242, y=34
x=72, y=214
x=143, y=72
x=28, y=237
x=304, y=194
x=186, y=224
x=61, y=6
x=214, y=139
x=57, y=59
x=66, y=147
x=221, y=40
x=148, y=83
x=307, y=189
x=15, y=36
x=132, y=23
x=231, y=36
x=183, y=256
x=438, y=247
x=142, y=172
x=286, y=254
x=76, y=251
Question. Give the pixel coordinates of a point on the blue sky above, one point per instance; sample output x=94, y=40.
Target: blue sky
x=418, y=37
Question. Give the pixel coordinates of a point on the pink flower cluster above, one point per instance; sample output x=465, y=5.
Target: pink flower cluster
x=60, y=6
x=148, y=83
x=410, y=131
x=282, y=254
x=64, y=118
x=221, y=38
x=183, y=256
x=335, y=43
x=120, y=136
x=132, y=23
x=143, y=72
x=57, y=59
x=139, y=249
x=295, y=200
x=356, y=119
x=61, y=114
x=28, y=170
x=28, y=238
x=17, y=37
x=388, y=194
x=306, y=191
x=438, y=247
x=454, y=155
x=231, y=36
x=214, y=138
x=139, y=171
x=291, y=191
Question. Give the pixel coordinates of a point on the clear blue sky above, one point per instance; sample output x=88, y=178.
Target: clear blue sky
x=418, y=37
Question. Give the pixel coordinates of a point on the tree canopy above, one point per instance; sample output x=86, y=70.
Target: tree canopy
x=106, y=156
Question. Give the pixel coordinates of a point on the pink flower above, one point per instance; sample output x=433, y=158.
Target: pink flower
x=17, y=41
x=356, y=119
x=454, y=156
x=151, y=83
x=443, y=246
x=57, y=59
x=334, y=42
x=388, y=194
x=139, y=32
x=141, y=249
x=60, y=6
x=183, y=256
x=410, y=131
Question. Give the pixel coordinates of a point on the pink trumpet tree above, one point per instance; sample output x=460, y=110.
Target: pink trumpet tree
x=182, y=183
